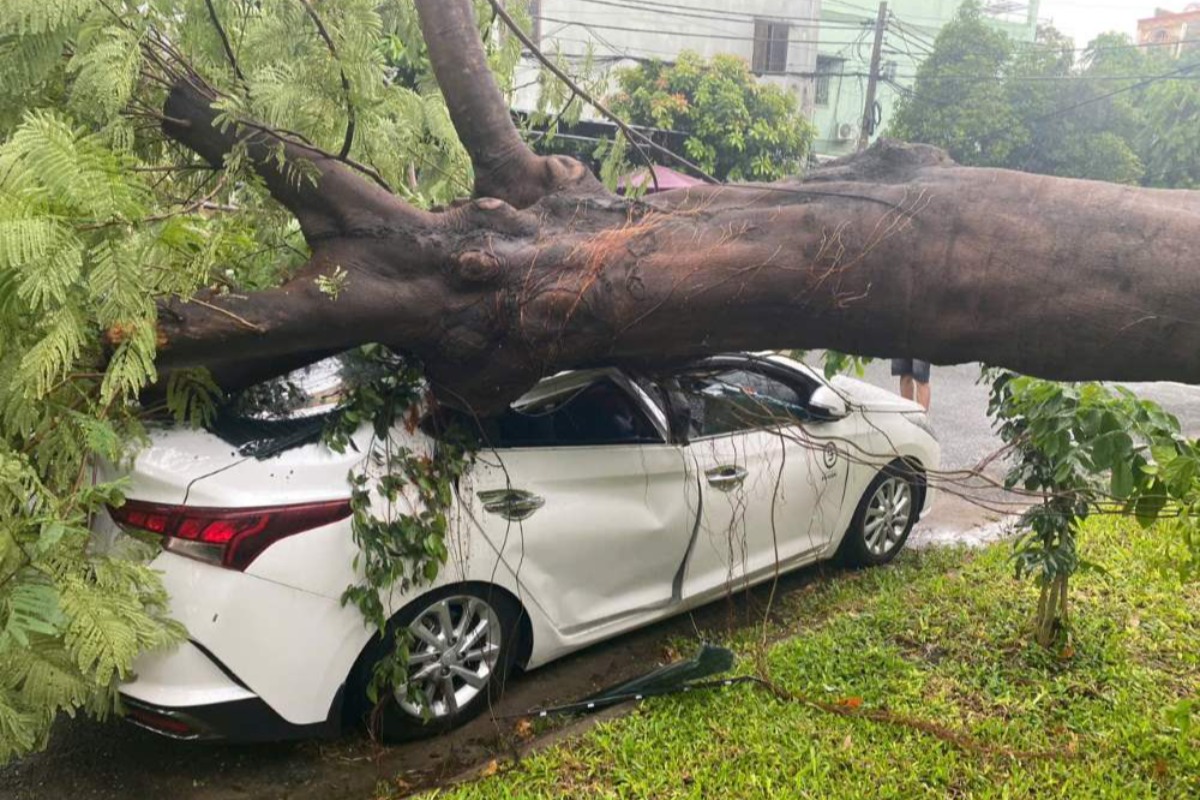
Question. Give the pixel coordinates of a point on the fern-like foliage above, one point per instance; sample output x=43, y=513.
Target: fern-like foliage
x=100, y=217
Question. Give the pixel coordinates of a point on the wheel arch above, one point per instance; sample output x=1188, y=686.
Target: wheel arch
x=524, y=644
x=913, y=463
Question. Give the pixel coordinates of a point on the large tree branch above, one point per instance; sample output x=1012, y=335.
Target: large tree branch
x=505, y=167
x=327, y=196
x=894, y=252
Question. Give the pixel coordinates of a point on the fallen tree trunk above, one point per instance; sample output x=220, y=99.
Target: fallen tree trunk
x=896, y=251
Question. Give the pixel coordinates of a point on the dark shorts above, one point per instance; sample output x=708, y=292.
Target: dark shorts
x=911, y=366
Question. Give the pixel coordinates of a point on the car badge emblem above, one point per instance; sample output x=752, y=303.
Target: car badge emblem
x=830, y=455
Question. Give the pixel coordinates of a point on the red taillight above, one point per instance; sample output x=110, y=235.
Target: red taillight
x=230, y=537
x=162, y=723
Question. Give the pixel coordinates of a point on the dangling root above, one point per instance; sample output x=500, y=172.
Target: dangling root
x=854, y=710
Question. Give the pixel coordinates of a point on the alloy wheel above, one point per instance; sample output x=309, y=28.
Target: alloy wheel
x=887, y=515
x=454, y=652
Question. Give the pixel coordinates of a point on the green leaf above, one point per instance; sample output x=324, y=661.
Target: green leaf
x=32, y=608
x=1122, y=479
x=52, y=534
x=1148, y=507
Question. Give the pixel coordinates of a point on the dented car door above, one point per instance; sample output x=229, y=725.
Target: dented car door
x=584, y=483
x=766, y=489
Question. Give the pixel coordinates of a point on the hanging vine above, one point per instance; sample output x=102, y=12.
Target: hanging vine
x=401, y=495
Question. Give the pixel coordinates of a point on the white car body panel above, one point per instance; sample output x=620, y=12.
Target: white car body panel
x=617, y=544
x=771, y=517
x=290, y=647
x=634, y=545
x=182, y=677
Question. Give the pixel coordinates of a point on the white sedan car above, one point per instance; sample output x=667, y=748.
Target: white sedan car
x=607, y=501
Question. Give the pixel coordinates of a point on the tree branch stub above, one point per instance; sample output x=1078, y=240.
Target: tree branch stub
x=505, y=167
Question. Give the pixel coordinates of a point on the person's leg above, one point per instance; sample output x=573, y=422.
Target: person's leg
x=920, y=376
x=922, y=393
x=903, y=369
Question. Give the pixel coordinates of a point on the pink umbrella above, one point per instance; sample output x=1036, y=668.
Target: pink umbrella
x=667, y=179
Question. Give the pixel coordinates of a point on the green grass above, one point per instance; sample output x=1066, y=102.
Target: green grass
x=941, y=636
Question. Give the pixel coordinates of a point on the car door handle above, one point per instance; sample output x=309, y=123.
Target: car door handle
x=512, y=504
x=725, y=478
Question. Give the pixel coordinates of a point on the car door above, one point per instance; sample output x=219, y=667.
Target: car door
x=584, y=499
x=769, y=478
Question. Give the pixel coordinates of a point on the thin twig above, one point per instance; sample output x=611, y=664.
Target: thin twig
x=350, y=118
x=193, y=76
x=238, y=319
x=299, y=141
x=191, y=206
x=212, y=14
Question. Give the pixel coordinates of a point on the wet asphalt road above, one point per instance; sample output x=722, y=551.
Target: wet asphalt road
x=958, y=409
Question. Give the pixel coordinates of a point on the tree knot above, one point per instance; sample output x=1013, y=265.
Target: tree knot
x=478, y=266
x=564, y=171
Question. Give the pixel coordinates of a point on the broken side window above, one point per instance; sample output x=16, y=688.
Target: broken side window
x=730, y=400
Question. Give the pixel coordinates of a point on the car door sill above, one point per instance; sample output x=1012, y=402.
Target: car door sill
x=734, y=584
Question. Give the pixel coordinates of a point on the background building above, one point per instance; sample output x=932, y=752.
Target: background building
x=1172, y=33
x=844, y=58
x=777, y=37
x=820, y=50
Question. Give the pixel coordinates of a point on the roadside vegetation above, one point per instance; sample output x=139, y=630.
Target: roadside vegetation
x=1111, y=111
x=942, y=644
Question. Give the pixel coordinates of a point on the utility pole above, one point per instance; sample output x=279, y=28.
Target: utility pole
x=868, y=120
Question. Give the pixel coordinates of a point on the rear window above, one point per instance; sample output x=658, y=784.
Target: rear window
x=310, y=391
x=289, y=411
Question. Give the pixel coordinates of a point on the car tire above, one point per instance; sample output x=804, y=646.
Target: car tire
x=456, y=683
x=884, y=517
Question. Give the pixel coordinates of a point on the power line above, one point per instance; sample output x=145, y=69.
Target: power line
x=1133, y=88
x=688, y=34
x=926, y=49
x=864, y=9
x=627, y=56
x=554, y=37
x=716, y=14
x=1058, y=112
x=1043, y=78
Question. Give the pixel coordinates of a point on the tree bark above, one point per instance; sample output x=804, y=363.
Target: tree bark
x=897, y=251
x=504, y=167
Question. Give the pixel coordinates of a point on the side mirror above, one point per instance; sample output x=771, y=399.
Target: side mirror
x=827, y=402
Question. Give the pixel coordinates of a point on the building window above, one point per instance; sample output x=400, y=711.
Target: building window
x=770, y=46
x=828, y=68
x=1159, y=36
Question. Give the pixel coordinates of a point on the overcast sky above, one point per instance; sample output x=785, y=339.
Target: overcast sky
x=1083, y=20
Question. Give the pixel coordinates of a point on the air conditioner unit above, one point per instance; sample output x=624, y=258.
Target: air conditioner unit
x=846, y=131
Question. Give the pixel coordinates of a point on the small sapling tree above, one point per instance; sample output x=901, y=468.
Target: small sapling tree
x=1086, y=449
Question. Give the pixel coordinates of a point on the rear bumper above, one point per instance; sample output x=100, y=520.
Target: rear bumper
x=182, y=677
x=186, y=693
x=252, y=641
x=242, y=721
